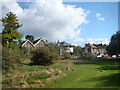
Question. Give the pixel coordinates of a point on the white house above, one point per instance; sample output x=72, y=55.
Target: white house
x=66, y=47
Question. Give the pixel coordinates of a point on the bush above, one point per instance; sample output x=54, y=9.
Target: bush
x=66, y=55
x=10, y=58
x=5, y=59
x=42, y=56
x=54, y=53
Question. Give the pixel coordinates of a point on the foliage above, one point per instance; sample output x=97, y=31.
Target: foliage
x=12, y=56
x=114, y=46
x=11, y=25
x=66, y=55
x=42, y=56
x=77, y=50
x=55, y=50
x=30, y=37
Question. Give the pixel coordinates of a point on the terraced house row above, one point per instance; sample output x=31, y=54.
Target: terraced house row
x=95, y=49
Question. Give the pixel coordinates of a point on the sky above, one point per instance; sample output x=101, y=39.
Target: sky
x=74, y=22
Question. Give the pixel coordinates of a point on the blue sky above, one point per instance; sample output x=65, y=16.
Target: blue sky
x=95, y=28
x=73, y=22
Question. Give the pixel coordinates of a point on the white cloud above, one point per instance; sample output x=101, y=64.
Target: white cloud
x=49, y=19
x=95, y=41
x=79, y=40
x=98, y=15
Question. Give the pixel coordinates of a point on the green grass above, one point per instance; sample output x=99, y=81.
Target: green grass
x=38, y=76
x=86, y=74
x=31, y=68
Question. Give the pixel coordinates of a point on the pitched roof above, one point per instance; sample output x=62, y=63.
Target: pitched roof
x=95, y=45
x=38, y=40
x=100, y=45
x=65, y=44
x=92, y=46
x=27, y=41
x=34, y=42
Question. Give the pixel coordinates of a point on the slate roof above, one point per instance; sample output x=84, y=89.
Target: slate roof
x=33, y=42
x=95, y=45
x=65, y=44
x=100, y=45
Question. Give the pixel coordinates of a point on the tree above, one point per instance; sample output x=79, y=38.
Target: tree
x=54, y=47
x=114, y=45
x=11, y=25
x=77, y=50
x=30, y=37
x=42, y=56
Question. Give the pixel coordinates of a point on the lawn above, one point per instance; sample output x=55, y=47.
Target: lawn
x=83, y=74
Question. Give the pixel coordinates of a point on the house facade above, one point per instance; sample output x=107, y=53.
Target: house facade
x=66, y=47
x=95, y=49
x=29, y=45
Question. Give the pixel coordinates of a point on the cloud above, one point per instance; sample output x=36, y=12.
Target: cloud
x=49, y=19
x=79, y=40
x=98, y=15
x=95, y=41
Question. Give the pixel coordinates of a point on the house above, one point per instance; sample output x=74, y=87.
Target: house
x=66, y=47
x=31, y=45
x=95, y=49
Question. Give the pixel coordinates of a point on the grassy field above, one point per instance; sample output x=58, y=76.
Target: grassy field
x=66, y=74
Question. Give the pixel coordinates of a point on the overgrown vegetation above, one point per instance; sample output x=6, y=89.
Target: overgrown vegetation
x=66, y=55
x=44, y=56
x=11, y=38
x=35, y=76
x=83, y=74
x=12, y=56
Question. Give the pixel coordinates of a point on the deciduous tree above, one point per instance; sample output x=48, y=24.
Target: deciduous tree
x=77, y=50
x=114, y=46
x=30, y=37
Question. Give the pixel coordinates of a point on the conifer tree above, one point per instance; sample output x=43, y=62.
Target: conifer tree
x=10, y=31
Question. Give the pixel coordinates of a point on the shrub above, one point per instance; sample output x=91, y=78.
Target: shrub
x=42, y=56
x=11, y=56
x=66, y=55
x=5, y=59
x=54, y=53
